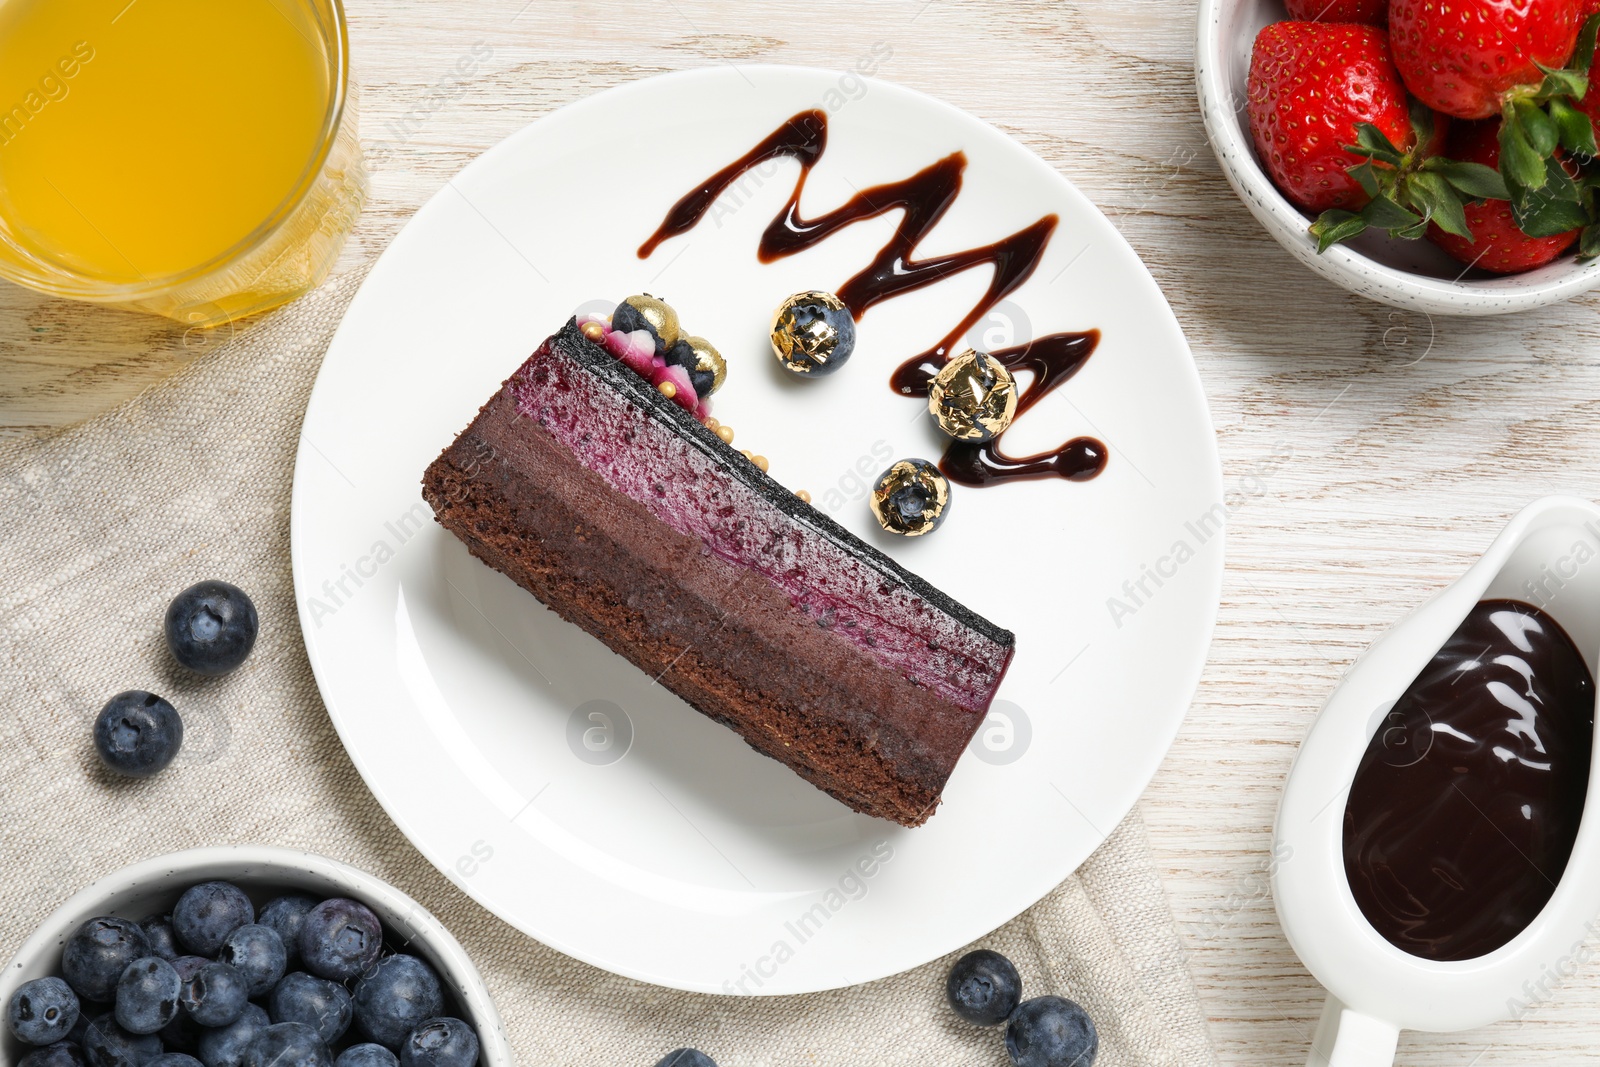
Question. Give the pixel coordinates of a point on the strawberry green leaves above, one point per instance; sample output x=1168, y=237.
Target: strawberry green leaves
x=1589, y=193
x=1575, y=131
x=1555, y=206
x=1475, y=181
x=1535, y=128
x=1409, y=190
x=1537, y=119
x=1546, y=199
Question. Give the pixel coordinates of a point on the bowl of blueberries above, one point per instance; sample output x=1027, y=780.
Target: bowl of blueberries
x=245, y=956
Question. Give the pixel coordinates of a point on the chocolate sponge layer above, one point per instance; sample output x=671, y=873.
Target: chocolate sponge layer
x=626, y=516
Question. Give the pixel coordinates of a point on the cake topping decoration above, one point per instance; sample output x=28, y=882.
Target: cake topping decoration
x=921, y=201
x=973, y=397
x=673, y=383
x=707, y=369
x=636, y=349
x=813, y=333
x=645, y=312
x=911, y=498
x=687, y=371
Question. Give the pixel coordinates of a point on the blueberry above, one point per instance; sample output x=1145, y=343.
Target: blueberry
x=984, y=987
x=98, y=952
x=627, y=318
x=186, y=966
x=686, y=1057
x=256, y=952
x=211, y=627
x=813, y=333
x=105, y=1044
x=207, y=913
x=44, y=1011
x=137, y=733
x=182, y=1034
x=216, y=996
x=339, y=939
x=158, y=931
x=174, y=1059
x=396, y=995
x=225, y=1046
x=682, y=354
x=285, y=914
x=911, y=498
x=648, y=313
x=147, y=995
x=318, y=1003
x=440, y=1043
x=82, y=1025
x=1051, y=1032
x=368, y=1055
x=287, y=1045
x=60, y=1054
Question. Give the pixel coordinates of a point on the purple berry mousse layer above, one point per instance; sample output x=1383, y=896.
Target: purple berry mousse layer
x=625, y=515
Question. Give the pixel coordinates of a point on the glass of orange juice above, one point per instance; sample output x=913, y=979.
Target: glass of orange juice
x=194, y=158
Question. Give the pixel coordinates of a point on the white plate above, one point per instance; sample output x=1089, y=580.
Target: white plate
x=554, y=782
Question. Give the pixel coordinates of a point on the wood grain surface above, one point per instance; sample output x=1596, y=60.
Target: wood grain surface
x=1376, y=451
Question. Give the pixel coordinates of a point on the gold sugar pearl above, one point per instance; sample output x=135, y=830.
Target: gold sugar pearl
x=760, y=461
x=804, y=496
x=667, y=389
x=725, y=434
x=593, y=331
x=712, y=424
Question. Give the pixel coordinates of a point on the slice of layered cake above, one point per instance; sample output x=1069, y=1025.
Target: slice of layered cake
x=592, y=480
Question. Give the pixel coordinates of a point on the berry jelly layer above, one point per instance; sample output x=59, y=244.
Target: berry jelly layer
x=625, y=515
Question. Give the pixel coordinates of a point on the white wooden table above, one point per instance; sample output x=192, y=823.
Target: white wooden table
x=1408, y=441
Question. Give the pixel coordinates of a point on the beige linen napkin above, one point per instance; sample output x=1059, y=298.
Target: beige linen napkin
x=100, y=525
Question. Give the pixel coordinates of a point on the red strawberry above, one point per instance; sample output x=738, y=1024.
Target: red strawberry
x=1372, y=12
x=1310, y=83
x=1498, y=245
x=1462, y=56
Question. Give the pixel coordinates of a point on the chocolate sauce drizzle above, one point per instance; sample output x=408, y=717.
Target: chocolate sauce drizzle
x=923, y=199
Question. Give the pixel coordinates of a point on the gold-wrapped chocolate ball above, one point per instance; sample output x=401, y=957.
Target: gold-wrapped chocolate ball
x=705, y=366
x=974, y=397
x=911, y=498
x=813, y=333
x=645, y=312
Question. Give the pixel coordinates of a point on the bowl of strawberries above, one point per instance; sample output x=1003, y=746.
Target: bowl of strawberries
x=1436, y=156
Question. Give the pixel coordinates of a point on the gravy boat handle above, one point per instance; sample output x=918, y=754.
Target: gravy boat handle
x=1347, y=1038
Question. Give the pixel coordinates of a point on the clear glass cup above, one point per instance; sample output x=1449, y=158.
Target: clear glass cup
x=289, y=251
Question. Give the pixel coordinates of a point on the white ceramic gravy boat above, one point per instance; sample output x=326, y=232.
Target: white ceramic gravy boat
x=1549, y=556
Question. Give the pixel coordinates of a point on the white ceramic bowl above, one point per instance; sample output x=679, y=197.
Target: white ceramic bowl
x=1407, y=274
x=153, y=886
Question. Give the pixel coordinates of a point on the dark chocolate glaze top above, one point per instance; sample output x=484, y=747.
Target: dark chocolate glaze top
x=922, y=200
x=1464, y=809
